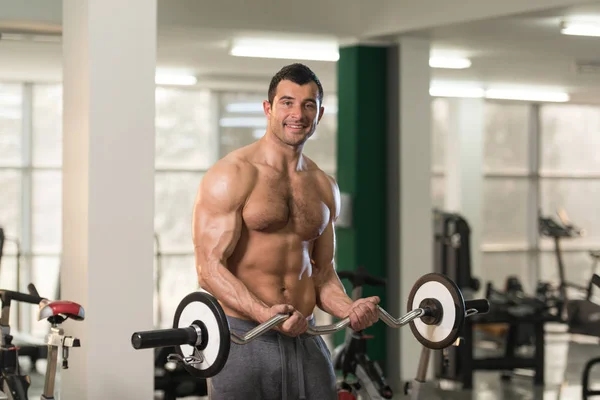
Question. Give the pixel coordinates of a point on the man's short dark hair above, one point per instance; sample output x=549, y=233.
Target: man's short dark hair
x=297, y=73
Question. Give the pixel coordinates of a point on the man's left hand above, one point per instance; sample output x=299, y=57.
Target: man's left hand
x=363, y=313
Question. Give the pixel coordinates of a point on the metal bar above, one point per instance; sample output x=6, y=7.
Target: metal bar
x=423, y=364
x=533, y=201
x=25, y=238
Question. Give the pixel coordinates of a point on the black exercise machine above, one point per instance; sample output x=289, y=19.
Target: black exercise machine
x=524, y=315
x=14, y=384
x=30, y=347
x=586, y=391
x=581, y=315
x=350, y=358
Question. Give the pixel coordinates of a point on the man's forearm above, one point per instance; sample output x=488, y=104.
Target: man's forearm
x=331, y=295
x=232, y=292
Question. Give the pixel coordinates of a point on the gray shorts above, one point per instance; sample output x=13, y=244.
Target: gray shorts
x=274, y=366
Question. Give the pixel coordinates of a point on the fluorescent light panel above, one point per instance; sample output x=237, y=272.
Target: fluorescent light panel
x=285, y=49
x=523, y=95
x=457, y=91
x=449, y=62
x=179, y=80
x=498, y=94
x=580, y=28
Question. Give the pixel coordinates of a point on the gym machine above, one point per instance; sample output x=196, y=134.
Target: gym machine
x=524, y=315
x=29, y=346
x=361, y=376
x=13, y=384
x=202, y=338
x=581, y=315
x=586, y=391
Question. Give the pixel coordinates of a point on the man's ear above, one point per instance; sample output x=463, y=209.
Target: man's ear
x=321, y=112
x=267, y=108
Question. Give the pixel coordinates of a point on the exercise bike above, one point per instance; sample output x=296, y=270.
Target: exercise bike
x=13, y=384
x=202, y=338
x=361, y=376
x=580, y=314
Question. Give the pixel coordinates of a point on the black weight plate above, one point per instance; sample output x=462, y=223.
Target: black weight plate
x=446, y=292
x=203, y=310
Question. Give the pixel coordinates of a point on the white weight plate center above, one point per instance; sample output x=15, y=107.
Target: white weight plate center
x=436, y=290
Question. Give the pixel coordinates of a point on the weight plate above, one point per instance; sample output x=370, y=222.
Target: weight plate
x=203, y=310
x=447, y=293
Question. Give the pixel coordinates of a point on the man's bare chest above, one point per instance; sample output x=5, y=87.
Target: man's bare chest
x=296, y=206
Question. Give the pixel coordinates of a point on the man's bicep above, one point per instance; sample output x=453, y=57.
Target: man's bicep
x=216, y=231
x=324, y=248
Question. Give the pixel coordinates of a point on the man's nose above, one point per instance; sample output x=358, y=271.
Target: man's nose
x=297, y=112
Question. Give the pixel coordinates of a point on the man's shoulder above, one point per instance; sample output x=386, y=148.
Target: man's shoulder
x=320, y=175
x=235, y=165
x=327, y=184
x=229, y=179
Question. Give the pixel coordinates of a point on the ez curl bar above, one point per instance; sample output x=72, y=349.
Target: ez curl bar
x=202, y=338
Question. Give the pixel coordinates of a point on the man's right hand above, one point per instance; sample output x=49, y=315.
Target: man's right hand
x=295, y=325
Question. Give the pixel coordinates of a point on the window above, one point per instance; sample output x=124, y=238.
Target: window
x=506, y=141
x=505, y=211
x=439, y=133
x=186, y=137
x=186, y=146
x=11, y=109
x=570, y=140
x=570, y=181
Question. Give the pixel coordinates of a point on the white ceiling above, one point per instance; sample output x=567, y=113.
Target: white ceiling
x=523, y=50
x=522, y=46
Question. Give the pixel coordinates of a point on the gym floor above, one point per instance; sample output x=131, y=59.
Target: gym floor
x=565, y=360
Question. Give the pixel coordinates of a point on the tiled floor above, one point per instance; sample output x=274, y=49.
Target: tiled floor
x=565, y=361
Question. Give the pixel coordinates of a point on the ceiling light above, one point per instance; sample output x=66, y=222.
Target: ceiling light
x=456, y=91
x=316, y=50
x=180, y=80
x=580, y=28
x=449, y=62
x=250, y=108
x=527, y=95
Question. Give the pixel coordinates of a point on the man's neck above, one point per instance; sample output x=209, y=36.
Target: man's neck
x=281, y=155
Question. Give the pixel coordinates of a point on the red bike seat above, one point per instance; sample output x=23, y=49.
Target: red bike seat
x=62, y=308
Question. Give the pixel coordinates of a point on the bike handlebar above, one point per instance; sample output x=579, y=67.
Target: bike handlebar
x=596, y=280
x=361, y=277
x=8, y=295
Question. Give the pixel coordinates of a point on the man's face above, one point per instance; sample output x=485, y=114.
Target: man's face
x=295, y=112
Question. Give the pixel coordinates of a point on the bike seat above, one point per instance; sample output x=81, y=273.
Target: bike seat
x=61, y=310
x=595, y=254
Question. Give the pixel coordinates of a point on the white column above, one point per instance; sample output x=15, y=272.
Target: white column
x=412, y=242
x=109, y=57
x=464, y=170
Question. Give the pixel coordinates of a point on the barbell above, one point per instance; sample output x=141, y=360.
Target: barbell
x=202, y=338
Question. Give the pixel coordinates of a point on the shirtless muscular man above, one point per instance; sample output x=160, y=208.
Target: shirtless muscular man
x=264, y=238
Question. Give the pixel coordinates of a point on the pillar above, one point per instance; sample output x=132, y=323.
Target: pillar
x=362, y=173
x=109, y=56
x=464, y=169
x=410, y=232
